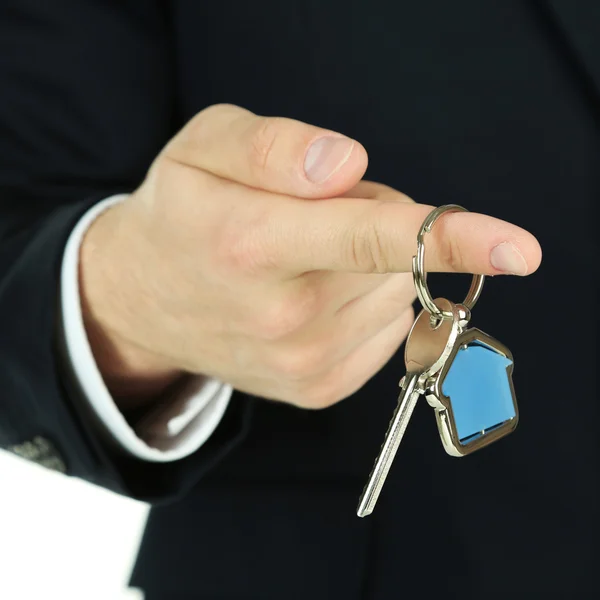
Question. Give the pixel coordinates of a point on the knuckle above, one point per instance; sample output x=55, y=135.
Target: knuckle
x=199, y=130
x=368, y=250
x=283, y=317
x=204, y=116
x=276, y=323
x=239, y=250
x=263, y=137
x=453, y=255
x=198, y=124
x=245, y=243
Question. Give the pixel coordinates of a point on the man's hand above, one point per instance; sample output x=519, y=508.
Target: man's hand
x=254, y=253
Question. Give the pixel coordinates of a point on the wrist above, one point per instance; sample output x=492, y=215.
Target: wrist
x=134, y=375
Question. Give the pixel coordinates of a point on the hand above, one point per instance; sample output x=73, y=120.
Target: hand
x=254, y=253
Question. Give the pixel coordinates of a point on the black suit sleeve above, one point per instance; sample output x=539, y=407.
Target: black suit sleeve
x=85, y=105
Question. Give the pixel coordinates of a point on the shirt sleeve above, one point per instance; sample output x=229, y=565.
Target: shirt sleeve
x=179, y=424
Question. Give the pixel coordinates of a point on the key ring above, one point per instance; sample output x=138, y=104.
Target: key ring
x=454, y=368
x=420, y=276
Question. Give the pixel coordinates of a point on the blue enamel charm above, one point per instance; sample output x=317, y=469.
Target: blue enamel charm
x=473, y=394
x=478, y=387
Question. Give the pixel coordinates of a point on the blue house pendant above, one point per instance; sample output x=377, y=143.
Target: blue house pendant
x=473, y=394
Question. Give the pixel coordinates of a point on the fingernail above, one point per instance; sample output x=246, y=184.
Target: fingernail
x=505, y=257
x=326, y=156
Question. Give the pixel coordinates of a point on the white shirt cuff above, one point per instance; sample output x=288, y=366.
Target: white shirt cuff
x=176, y=426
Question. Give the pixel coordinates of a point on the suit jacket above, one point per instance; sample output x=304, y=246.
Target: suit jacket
x=494, y=105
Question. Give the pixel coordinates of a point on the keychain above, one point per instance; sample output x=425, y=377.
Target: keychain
x=464, y=374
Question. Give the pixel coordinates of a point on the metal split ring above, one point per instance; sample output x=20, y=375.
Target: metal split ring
x=420, y=276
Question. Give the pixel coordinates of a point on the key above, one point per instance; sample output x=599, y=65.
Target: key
x=425, y=352
x=406, y=404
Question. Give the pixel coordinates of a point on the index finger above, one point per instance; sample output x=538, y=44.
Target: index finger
x=366, y=236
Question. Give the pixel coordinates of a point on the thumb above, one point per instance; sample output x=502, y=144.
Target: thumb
x=271, y=153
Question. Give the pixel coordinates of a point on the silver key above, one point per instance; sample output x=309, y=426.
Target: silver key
x=406, y=404
x=425, y=351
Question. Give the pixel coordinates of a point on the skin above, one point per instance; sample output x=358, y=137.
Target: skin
x=247, y=257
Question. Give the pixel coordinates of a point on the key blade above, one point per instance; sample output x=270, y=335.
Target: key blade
x=406, y=404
